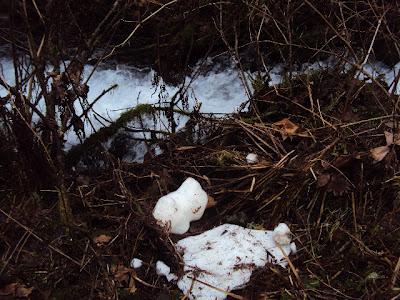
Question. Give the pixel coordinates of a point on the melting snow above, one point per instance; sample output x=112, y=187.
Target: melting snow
x=226, y=256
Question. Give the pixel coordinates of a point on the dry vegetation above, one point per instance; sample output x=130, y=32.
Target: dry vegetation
x=328, y=142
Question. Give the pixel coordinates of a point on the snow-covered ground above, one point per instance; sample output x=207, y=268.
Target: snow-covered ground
x=222, y=259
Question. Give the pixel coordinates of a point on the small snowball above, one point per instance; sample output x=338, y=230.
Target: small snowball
x=163, y=270
x=136, y=263
x=252, y=158
x=176, y=210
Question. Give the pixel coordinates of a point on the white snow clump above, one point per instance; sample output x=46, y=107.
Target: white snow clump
x=225, y=257
x=163, y=270
x=177, y=209
x=136, y=263
x=252, y=158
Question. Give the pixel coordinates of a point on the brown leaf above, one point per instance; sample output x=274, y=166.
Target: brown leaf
x=102, y=239
x=287, y=127
x=23, y=292
x=211, y=202
x=349, y=115
x=59, y=87
x=323, y=180
x=125, y=276
x=392, y=138
x=132, y=286
x=392, y=124
x=338, y=184
x=325, y=164
x=83, y=180
x=74, y=71
x=121, y=273
x=16, y=290
x=389, y=138
x=379, y=153
x=342, y=160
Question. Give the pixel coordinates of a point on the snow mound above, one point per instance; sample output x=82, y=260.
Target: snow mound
x=225, y=257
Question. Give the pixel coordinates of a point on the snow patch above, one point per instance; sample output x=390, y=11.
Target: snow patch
x=226, y=256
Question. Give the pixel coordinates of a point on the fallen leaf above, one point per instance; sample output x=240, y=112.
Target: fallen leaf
x=16, y=290
x=342, y=160
x=287, y=127
x=23, y=292
x=338, y=184
x=132, y=286
x=392, y=138
x=211, y=202
x=125, y=276
x=379, y=153
x=83, y=180
x=349, y=115
x=121, y=273
x=102, y=239
x=392, y=124
x=325, y=164
x=323, y=180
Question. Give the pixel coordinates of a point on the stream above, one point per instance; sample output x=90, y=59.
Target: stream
x=220, y=90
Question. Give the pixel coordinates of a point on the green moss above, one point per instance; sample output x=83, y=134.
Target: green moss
x=105, y=133
x=225, y=158
x=312, y=283
x=340, y=149
x=187, y=34
x=255, y=226
x=258, y=84
x=93, y=143
x=249, y=119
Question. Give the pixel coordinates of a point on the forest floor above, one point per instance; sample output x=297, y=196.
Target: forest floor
x=330, y=174
x=328, y=145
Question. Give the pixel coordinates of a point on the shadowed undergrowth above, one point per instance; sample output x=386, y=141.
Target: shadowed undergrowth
x=315, y=172
x=327, y=142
